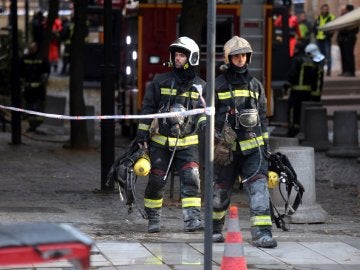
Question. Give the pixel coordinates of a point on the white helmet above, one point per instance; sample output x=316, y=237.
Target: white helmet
x=313, y=51
x=237, y=45
x=189, y=47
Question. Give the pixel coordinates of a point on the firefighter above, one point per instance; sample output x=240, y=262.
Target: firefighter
x=318, y=58
x=301, y=78
x=176, y=140
x=34, y=72
x=241, y=143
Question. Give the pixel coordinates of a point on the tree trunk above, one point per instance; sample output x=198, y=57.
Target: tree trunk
x=78, y=129
x=193, y=18
x=52, y=15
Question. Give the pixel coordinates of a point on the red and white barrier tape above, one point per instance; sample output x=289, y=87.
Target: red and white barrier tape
x=207, y=110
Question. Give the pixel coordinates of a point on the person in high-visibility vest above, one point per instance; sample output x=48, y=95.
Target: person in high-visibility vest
x=323, y=39
x=305, y=29
x=173, y=141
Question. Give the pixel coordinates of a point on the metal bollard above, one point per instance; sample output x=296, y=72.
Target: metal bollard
x=345, y=142
x=303, y=161
x=316, y=133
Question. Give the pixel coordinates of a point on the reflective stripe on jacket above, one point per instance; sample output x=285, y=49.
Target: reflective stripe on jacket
x=232, y=98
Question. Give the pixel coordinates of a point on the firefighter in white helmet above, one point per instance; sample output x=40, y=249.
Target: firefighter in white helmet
x=241, y=143
x=318, y=58
x=176, y=141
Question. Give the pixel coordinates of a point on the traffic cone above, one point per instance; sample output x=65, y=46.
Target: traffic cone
x=233, y=257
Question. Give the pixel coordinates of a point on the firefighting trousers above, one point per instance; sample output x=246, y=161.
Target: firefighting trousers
x=35, y=99
x=294, y=110
x=185, y=162
x=256, y=189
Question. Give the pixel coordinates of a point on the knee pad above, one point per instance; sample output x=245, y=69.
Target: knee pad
x=190, y=176
x=221, y=199
x=259, y=196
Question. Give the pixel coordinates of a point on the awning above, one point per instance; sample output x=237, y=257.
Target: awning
x=349, y=20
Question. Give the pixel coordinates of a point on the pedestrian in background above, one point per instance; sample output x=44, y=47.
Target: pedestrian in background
x=176, y=139
x=294, y=29
x=305, y=27
x=346, y=39
x=241, y=143
x=54, y=47
x=323, y=39
x=34, y=72
x=66, y=37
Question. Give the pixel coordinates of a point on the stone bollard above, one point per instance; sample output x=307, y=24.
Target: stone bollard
x=276, y=142
x=55, y=105
x=304, y=106
x=316, y=133
x=345, y=142
x=303, y=161
x=280, y=111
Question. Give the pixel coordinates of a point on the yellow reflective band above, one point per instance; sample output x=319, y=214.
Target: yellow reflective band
x=149, y=203
x=261, y=221
x=193, y=95
x=168, y=91
x=315, y=93
x=301, y=88
x=238, y=93
x=34, y=84
x=251, y=143
x=219, y=215
x=143, y=126
x=233, y=146
x=160, y=139
x=201, y=119
x=186, y=141
x=33, y=61
x=265, y=135
x=191, y=202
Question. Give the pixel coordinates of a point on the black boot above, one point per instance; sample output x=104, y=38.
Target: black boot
x=262, y=237
x=154, y=219
x=217, y=235
x=192, y=219
x=154, y=226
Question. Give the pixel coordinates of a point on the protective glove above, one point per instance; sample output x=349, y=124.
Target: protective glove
x=142, y=138
x=222, y=154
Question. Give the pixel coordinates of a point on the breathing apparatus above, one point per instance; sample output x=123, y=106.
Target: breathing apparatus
x=282, y=173
x=124, y=171
x=142, y=166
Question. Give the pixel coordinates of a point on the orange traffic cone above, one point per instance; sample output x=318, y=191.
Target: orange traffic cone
x=233, y=257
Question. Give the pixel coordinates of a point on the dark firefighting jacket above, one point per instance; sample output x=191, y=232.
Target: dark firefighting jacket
x=234, y=93
x=302, y=74
x=161, y=95
x=32, y=70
